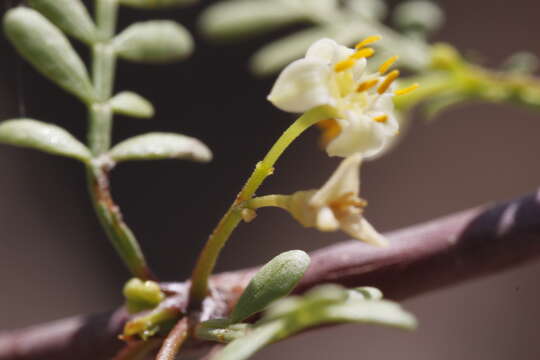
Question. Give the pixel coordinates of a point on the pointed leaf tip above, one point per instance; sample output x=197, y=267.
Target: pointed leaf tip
x=41, y=136
x=157, y=146
x=274, y=280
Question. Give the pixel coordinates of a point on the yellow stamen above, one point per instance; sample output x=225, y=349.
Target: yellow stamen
x=344, y=64
x=363, y=53
x=343, y=204
x=366, y=85
x=387, y=64
x=407, y=90
x=388, y=81
x=330, y=130
x=381, y=118
x=367, y=41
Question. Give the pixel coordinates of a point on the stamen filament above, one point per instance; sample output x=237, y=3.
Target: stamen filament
x=344, y=64
x=366, y=85
x=388, y=81
x=387, y=64
x=381, y=118
x=407, y=90
x=367, y=41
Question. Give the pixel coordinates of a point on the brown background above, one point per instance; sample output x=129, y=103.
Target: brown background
x=55, y=261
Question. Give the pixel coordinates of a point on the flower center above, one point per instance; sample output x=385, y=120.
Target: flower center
x=330, y=129
x=347, y=204
x=357, y=91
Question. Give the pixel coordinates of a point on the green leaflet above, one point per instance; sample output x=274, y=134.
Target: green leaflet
x=156, y=4
x=41, y=136
x=221, y=330
x=380, y=312
x=273, y=281
x=158, y=41
x=48, y=50
x=69, y=15
x=131, y=104
x=325, y=304
x=228, y=20
x=155, y=146
x=330, y=303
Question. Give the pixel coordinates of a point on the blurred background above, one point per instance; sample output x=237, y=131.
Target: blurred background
x=55, y=260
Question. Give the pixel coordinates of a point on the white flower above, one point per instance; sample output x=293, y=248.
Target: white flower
x=334, y=75
x=336, y=205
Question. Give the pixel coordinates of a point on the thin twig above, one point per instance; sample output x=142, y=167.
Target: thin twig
x=468, y=244
x=174, y=341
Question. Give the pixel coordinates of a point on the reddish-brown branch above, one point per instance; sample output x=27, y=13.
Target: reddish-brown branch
x=174, y=340
x=424, y=257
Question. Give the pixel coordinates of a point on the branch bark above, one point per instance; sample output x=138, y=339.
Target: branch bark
x=425, y=257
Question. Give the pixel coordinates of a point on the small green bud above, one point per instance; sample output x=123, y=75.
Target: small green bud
x=142, y=295
x=275, y=280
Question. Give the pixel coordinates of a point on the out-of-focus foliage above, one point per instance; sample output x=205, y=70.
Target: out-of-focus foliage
x=346, y=22
x=157, y=41
x=327, y=304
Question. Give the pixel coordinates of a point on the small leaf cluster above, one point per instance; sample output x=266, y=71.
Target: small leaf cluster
x=286, y=316
x=40, y=33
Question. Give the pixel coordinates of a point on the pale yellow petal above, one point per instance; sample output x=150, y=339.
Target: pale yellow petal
x=302, y=86
x=326, y=221
x=346, y=179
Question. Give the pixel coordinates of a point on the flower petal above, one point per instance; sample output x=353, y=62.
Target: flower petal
x=360, y=134
x=298, y=206
x=326, y=221
x=302, y=86
x=360, y=229
x=345, y=180
x=329, y=51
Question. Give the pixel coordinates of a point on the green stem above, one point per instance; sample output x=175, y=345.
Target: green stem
x=279, y=201
x=100, y=117
x=208, y=256
x=106, y=16
x=431, y=85
x=110, y=218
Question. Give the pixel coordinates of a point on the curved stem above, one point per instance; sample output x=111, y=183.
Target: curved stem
x=208, y=256
x=100, y=117
x=279, y=201
x=111, y=220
